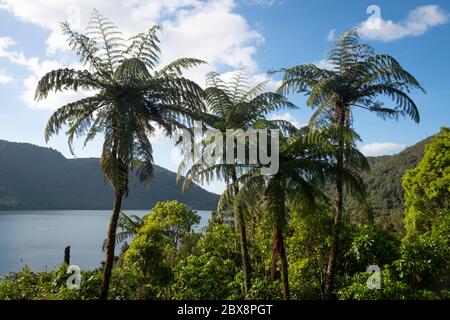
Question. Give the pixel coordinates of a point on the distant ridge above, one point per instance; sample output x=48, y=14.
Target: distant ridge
x=33, y=177
x=38, y=178
x=384, y=185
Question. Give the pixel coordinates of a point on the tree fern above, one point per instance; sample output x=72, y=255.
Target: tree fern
x=129, y=100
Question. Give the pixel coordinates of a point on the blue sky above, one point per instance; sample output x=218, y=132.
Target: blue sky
x=230, y=34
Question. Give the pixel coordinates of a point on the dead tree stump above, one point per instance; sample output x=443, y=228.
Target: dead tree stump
x=67, y=255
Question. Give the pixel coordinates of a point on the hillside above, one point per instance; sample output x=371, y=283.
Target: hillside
x=33, y=177
x=384, y=189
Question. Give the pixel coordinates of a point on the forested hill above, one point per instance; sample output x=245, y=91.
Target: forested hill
x=33, y=177
x=384, y=185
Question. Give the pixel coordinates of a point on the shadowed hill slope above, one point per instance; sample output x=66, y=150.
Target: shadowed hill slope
x=384, y=186
x=33, y=177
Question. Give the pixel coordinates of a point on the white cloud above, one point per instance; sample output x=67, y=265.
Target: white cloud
x=254, y=79
x=331, y=35
x=261, y=2
x=37, y=68
x=212, y=32
x=417, y=23
x=381, y=148
x=271, y=86
x=5, y=78
x=324, y=64
x=206, y=29
x=140, y=14
x=5, y=44
x=288, y=117
x=209, y=30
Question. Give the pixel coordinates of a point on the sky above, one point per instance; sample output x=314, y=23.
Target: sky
x=258, y=35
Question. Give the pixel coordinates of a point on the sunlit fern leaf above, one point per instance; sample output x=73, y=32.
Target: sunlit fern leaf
x=64, y=79
x=132, y=70
x=145, y=46
x=178, y=66
x=108, y=39
x=85, y=47
x=71, y=112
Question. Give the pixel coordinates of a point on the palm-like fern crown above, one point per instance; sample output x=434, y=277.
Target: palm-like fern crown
x=357, y=77
x=235, y=105
x=129, y=96
x=230, y=105
x=307, y=159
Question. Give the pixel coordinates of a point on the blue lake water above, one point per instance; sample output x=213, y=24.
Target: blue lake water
x=38, y=238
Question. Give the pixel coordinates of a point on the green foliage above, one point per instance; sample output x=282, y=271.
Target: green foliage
x=146, y=253
x=220, y=239
x=212, y=273
x=427, y=187
x=425, y=253
x=308, y=244
x=155, y=268
x=265, y=289
x=392, y=288
x=26, y=285
x=176, y=222
x=425, y=258
x=129, y=283
x=357, y=289
x=175, y=219
x=129, y=226
x=385, y=195
x=370, y=245
x=162, y=241
x=418, y=268
x=206, y=277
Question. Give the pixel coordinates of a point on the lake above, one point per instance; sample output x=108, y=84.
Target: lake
x=38, y=237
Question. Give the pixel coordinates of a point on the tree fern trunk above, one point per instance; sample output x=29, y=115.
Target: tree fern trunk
x=111, y=244
x=284, y=263
x=273, y=269
x=276, y=198
x=331, y=273
x=279, y=248
x=241, y=229
x=244, y=253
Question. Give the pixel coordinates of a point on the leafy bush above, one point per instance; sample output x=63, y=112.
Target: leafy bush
x=206, y=277
x=355, y=288
x=370, y=245
x=27, y=285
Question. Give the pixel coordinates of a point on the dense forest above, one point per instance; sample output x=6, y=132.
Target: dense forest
x=36, y=178
x=320, y=225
